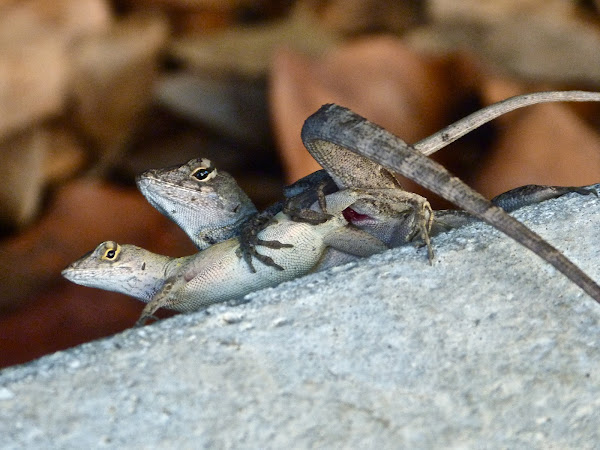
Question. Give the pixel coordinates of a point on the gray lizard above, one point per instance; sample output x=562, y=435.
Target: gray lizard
x=359, y=154
x=217, y=274
x=163, y=263
x=205, y=202
x=210, y=207
x=172, y=190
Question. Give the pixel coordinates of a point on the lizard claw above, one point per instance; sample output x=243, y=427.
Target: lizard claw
x=143, y=320
x=297, y=207
x=247, y=255
x=585, y=191
x=249, y=240
x=308, y=216
x=273, y=244
x=422, y=216
x=251, y=252
x=267, y=260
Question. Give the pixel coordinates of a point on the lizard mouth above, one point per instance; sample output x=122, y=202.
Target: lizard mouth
x=355, y=217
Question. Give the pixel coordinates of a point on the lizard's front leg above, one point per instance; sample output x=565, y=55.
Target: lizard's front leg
x=249, y=240
x=162, y=299
x=297, y=208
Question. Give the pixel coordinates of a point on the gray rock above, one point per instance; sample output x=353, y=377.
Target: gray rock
x=487, y=348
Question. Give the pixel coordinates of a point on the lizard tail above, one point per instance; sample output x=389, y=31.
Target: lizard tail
x=451, y=133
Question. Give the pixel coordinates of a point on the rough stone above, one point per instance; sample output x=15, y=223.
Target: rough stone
x=487, y=348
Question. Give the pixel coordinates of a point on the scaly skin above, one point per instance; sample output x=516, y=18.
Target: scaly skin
x=156, y=268
x=206, y=203
x=127, y=269
x=217, y=274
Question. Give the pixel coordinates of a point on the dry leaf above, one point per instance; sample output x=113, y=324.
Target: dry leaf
x=379, y=78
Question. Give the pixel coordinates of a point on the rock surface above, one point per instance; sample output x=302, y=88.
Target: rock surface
x=488, y=348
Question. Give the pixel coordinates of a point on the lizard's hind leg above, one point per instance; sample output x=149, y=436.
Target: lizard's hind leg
x=422, y=223
x=421, y=220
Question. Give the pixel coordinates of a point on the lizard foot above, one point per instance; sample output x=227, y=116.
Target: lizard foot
x=417, y=210
x=308, y=216
x=423, y=221
x=297, y=208
x=249, y=240
x=143, y=320
x=266, y=260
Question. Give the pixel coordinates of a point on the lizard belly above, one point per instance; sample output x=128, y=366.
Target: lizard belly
x=221, y=275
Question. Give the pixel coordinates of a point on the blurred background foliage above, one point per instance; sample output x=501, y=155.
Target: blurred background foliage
x=93, y=92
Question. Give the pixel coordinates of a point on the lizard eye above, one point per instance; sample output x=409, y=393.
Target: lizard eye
x=204, y=173
x=112, y=253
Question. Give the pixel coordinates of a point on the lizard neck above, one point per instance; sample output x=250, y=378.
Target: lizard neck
x=147, y=277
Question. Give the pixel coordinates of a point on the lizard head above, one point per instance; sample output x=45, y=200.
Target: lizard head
x=198, y=197
x=126, y=269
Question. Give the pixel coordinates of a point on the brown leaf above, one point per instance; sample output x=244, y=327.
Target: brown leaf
x=377, y=77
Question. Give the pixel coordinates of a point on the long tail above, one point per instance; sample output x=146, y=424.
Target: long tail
x=461, y=127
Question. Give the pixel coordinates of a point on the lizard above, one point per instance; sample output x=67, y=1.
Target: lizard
x=173, y=190
x=377, y=219
x=210, y=206
x=217, y=274
x=205, y=202
x=349, y=169
x=160, y=278
x=359, y=154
